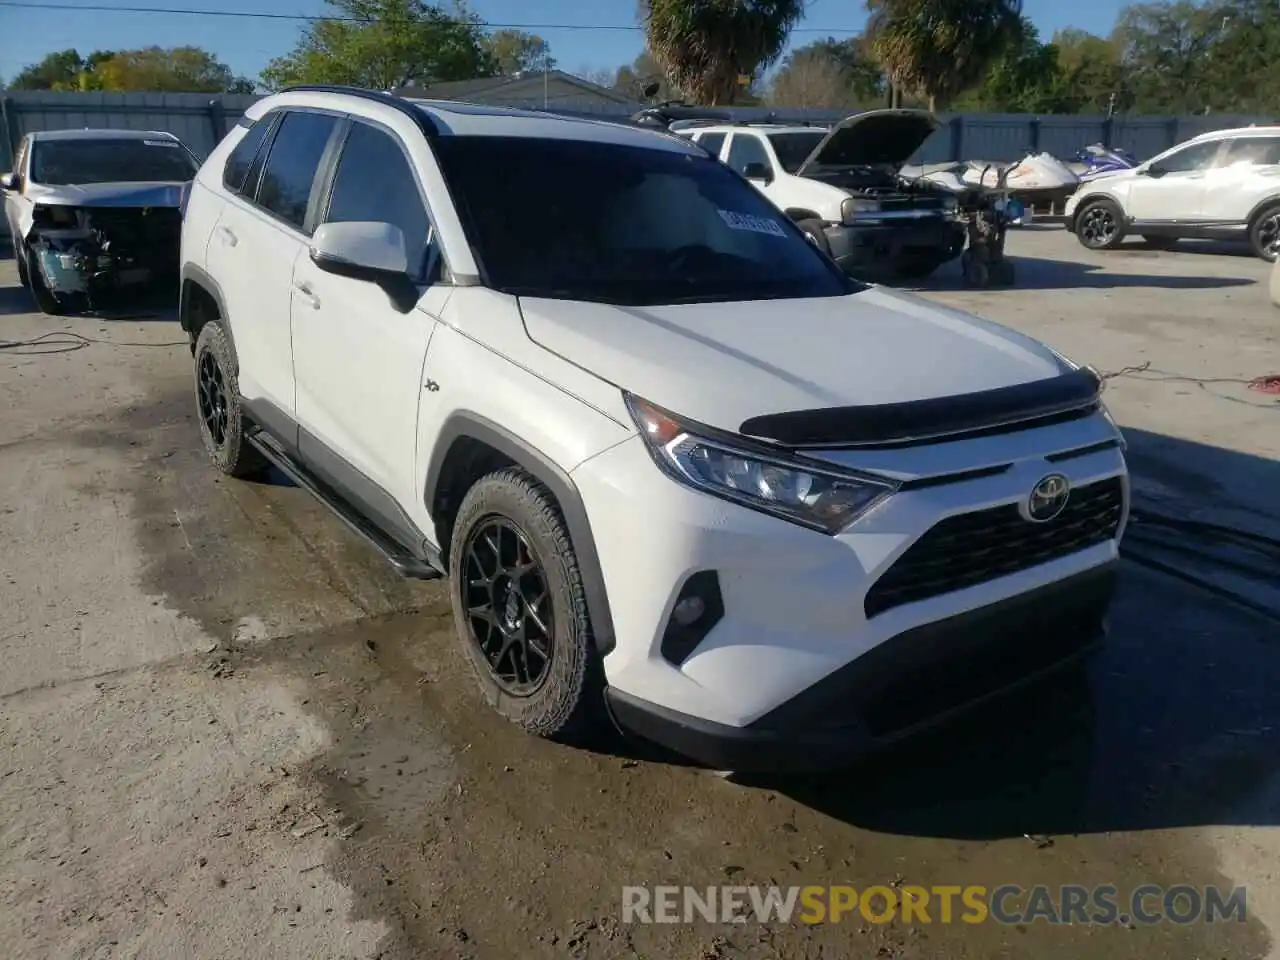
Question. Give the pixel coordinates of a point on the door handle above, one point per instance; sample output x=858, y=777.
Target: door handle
x=226, y=236
x=306, y=294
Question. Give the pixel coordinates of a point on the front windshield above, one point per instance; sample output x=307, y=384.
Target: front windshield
x=585, y=220
x=793, y=149
x=79, y=161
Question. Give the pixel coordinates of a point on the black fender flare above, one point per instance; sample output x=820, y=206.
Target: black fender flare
x=465, y=424
x=1089, y=198
x=797, y=214
x=192, y=274
x=1261, y=205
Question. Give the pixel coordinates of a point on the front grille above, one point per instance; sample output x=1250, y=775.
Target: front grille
x=135, y=232
x=972, y=548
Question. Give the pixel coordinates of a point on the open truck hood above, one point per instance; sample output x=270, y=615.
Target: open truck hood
x=129, y=194
x=872, y=139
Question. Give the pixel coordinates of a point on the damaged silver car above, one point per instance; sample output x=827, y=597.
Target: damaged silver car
x=96, y=213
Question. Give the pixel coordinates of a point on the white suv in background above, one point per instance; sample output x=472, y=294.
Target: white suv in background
x=679, y=470
x=1222, y=185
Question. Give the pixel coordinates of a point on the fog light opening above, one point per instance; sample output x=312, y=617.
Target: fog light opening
x=697, y=610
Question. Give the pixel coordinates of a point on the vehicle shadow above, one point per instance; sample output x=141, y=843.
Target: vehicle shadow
x=1035, y=273
x=159, y=305
x=1175, y=722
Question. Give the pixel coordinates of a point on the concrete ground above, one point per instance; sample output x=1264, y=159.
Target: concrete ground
x=227, y=730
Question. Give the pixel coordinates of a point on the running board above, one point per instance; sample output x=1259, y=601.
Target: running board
x=395, y=553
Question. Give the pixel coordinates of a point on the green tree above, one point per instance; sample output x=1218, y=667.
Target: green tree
x=1168, y=51
x=631, y=80
x=64, y=70
x=713, y=50
x=160, y=70
x=1092, y=72
x=833, y=74
x=514, y=51
x=934, y=49
x=383, y=44
x=1244, y=57
x=1026, y=78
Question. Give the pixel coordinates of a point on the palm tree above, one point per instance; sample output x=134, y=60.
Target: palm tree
x=934, y=49
x=706, y=47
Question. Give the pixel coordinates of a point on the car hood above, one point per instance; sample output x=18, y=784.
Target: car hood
x=723, y=364
x=131, y=194
x=874, y=138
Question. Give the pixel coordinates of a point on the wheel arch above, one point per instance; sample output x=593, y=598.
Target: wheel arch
x=197, y=294
x=800, y=213
x=1089, y=198
x=469, y=446
x=1271, y=200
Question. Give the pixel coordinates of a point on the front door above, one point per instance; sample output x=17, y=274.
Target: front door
x=1173, y=187
x=748, y=155
x=358, y=359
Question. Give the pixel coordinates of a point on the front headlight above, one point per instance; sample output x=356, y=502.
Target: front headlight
x=854, y=207
x=821, y=499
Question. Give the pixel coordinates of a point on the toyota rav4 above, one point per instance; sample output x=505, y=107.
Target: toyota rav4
x=681, y=472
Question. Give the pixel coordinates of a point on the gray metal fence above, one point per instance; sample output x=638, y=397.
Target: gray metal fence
x=201, y=120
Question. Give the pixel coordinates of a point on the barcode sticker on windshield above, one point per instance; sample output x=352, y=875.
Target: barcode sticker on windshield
x=160, y=143
x=745, y=221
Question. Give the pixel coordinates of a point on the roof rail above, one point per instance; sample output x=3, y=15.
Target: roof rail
x=421, y=118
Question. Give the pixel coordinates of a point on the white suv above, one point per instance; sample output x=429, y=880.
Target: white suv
x=673, y=462
x=1221, y=185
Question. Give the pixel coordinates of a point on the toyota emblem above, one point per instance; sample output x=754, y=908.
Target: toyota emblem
x=1048, y=498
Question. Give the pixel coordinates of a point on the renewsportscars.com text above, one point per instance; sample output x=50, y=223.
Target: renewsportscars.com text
x=1006, y=904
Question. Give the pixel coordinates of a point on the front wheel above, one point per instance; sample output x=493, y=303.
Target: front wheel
x=520, y=609
x=1099, y=225
x=1264, y=232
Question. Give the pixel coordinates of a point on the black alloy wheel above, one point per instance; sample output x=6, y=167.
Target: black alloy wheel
x=508, y=606
x=1265, y=235
x=1098, y=227
x=213, y=397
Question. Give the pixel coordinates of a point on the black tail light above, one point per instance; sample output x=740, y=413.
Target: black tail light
x=697, y=609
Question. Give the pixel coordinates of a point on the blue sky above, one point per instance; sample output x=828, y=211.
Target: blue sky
x=247, y=43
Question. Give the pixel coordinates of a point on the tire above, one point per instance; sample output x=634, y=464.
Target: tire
x=1160, y=243
x=813, y=229
x=1100, y=225
x=512, y=511
x=1264, y=232
x=218, y=407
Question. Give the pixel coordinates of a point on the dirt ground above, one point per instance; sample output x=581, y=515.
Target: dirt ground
x=227, y=730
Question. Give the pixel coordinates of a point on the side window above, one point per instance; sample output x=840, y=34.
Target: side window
x=1253, y=151
x=747, y=148
x=711, y=142
x=236, y=171
x=295, y=156
x=374, y=182
x=1198, y=156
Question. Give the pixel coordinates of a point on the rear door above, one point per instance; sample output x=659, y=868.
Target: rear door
x=1248, y=173
x=359, y=359
x=262, y=231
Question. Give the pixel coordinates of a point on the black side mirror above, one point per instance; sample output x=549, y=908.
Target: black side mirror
x=758, y=171
x=1155, y=170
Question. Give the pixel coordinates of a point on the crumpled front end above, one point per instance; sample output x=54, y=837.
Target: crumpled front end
x=91, y=254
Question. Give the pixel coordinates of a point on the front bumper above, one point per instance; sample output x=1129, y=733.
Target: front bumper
x=885, y=244
x=796, y=607
x=918, y=680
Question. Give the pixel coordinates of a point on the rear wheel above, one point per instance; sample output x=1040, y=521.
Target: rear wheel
x=520, y=609
x=1264, y=232
x=222, y=421
x=1099, y=225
